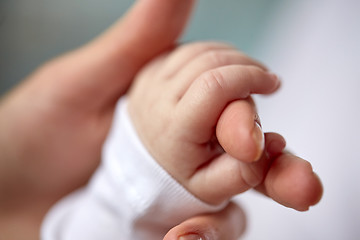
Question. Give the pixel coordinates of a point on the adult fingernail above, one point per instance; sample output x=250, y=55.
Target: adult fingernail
x=259, y=139
x=192, y=236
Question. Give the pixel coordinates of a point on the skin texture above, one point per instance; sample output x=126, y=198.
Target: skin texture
x=54, y=123
x=176, y=102
x=57, y=119
x=190, y=105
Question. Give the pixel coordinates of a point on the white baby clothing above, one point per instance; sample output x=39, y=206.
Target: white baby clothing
x=130, y=195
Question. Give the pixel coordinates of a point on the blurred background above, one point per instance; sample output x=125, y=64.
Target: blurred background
x=313, y=45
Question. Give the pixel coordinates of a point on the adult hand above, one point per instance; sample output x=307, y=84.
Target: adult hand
x=53, y=125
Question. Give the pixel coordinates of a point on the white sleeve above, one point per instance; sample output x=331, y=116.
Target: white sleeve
x=129, y=197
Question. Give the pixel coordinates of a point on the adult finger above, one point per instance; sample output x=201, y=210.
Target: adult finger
x=229, y=224
x=206, y=98
x=149, y=28
x=236, y=176
x=292, y=182
x=284, y=177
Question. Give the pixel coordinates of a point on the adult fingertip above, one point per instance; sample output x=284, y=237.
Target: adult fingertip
x=292, y=182
x=317, y=190
x=276, y=81
x=311, y=190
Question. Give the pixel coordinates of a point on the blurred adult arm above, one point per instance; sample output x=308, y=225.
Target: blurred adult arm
x=52, y=125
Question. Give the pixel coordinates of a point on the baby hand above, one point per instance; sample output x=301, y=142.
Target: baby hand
x=181, y=106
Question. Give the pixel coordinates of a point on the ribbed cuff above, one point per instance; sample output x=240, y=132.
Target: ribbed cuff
x=149, y=189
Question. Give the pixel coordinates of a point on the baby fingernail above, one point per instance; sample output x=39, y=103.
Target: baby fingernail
x=259, y=139
x=191, y=237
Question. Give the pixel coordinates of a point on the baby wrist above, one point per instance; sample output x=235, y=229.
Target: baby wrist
x=149, y=188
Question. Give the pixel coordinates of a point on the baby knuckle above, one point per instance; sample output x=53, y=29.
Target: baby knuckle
x=215, y=57
x=213, y=81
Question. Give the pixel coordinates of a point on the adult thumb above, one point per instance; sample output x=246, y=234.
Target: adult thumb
x=103, y=69
x=149, y=28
